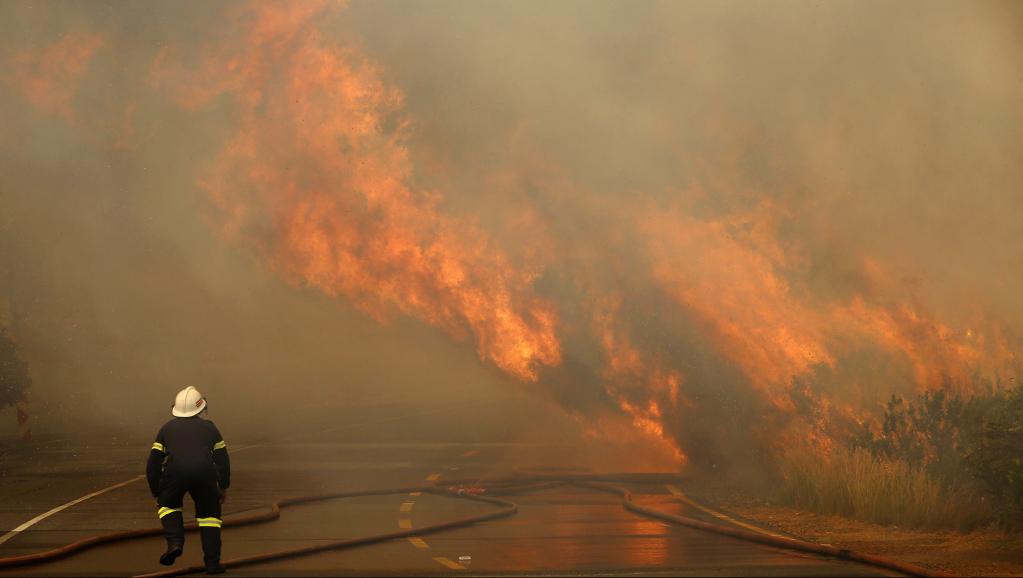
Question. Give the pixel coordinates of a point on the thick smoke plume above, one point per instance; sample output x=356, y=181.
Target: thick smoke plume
x=713, y=228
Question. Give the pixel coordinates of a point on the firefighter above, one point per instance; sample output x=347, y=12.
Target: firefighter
x=189, y=455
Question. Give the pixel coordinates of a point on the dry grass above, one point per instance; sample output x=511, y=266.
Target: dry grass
x=855, y=484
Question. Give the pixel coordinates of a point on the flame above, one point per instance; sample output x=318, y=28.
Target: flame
x=732, y=276
x=49, y=78
x=940, y=355
x=317, y=179
x=637, y=385
x=731, y=280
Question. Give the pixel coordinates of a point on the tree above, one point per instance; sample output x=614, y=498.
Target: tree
x=14, y=379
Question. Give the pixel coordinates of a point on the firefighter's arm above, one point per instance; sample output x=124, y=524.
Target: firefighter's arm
x=223, y=462
x=220, y=457
x=154, y=467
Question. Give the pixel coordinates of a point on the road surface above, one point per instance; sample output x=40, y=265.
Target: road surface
x=563, y=530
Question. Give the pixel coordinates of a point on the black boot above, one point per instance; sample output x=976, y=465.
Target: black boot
x=174, y=532
x=211, y=549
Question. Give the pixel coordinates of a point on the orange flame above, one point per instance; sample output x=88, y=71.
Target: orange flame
x=732, y=282
x=318, y=179
x=635, y=384
x=940, y=356
x=734, y=277
x=49, y=78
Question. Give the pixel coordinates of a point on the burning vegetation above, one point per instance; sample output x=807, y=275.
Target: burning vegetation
x=317, y=178
x=727, y=314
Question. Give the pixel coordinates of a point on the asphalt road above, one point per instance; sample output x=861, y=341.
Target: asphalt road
x=558, y=531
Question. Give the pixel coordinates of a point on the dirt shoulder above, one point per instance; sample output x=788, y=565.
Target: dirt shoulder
x=984, y=552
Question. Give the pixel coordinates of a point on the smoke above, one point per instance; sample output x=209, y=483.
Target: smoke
x=708, y=229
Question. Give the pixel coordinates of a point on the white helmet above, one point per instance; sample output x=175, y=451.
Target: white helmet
x=188, y=402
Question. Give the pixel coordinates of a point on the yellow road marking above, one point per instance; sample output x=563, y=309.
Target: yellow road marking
x=405, y=524
x=449, y=563
x=406, y=506
x=470, y=453
x=419, y=543
x=684, y=498
x=415, y=493
x=433, y=477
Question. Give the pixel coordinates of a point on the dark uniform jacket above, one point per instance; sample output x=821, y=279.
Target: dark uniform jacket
x=189, y=447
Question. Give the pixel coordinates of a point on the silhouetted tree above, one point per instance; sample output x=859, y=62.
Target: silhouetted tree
x=14, y=379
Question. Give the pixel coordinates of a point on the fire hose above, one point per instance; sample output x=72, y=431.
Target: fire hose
x=469, y=490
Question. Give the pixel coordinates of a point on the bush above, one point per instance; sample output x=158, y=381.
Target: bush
x=975, y=443
x=927, y=432
x=854, y=483
x=994, y=454
x=14, y=379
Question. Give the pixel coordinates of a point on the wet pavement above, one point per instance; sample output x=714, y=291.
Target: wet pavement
x=561, y=530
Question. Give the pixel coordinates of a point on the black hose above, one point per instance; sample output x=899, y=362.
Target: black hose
x=507, y=509
x=767, y=539
x=469, y=489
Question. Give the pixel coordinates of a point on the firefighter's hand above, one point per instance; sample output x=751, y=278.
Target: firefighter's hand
x=223, y=495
